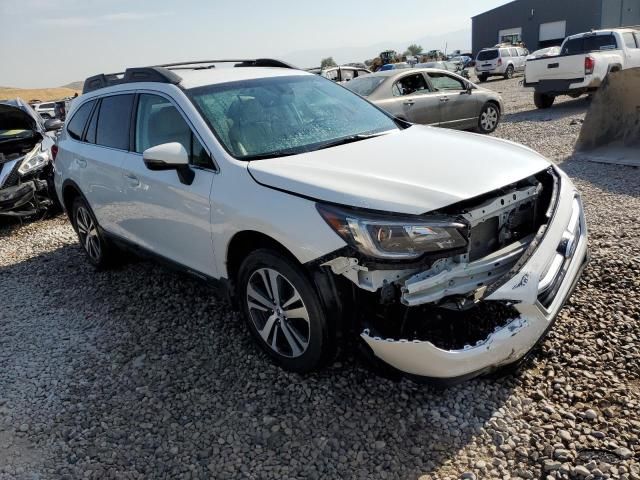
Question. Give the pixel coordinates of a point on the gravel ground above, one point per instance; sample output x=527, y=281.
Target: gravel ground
x=142, y=373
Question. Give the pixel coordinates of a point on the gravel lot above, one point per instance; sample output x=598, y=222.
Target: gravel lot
x=141, y=373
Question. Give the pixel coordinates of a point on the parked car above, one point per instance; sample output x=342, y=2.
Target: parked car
x=344, y=73
x=585, y=60
x=26, y=172
x=455, y=67
x=394, y=66
x=432, y=97
x=46, y=110
x=462, y=59
x=500, y=62
x=448, y=254
x=544, y=52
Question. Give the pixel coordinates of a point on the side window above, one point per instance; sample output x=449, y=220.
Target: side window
x=442, y=81
x=113, y=121
x=331, y=74
x=76, y=126
x=158, y=122
x=637, y=35
x=514, y=52
x=629, y=40
x=410, y=84
x=347, y=74
x=90, y=136
x=504, y=52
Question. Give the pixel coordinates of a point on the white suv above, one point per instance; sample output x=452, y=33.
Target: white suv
x=321, y=215
x=500, y=62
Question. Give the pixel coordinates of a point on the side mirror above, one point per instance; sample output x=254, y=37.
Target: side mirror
x=169, y=156
x=53, y=124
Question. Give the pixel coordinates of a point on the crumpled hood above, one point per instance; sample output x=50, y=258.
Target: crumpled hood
x=15, y=118
x=411, y=171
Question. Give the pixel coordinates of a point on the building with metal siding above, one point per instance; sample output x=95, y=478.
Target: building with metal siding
x=543, y=23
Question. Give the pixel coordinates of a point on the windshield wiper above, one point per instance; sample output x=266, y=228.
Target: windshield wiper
x=349, y=139
x=264, y=156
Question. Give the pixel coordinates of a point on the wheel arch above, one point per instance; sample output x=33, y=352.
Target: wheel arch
x=243, y=243
x=615, y=67
x=70, y=190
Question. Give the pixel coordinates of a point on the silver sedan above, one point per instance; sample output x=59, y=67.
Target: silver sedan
x=431, y=97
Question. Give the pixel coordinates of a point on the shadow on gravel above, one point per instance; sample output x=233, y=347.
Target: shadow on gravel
x=558, y=111
x=160, y=379
x=616, y=179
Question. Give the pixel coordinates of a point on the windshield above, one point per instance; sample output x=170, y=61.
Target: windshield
x=276, y=116
x=365, y=85
x=488, y=55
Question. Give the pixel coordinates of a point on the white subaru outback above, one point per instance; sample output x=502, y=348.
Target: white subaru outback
x=320, y=215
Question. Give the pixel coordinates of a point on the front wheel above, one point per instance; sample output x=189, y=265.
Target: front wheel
x=543, y=100
x=283, y=311
x=489, y=118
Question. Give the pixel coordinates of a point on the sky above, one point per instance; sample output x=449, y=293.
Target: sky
x=48, y=43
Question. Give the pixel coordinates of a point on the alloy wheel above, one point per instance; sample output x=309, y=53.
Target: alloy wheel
x=88, y=233
x=489, y=118
x=278, y=313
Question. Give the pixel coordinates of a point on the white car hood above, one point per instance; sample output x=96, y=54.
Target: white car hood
x=410, y=171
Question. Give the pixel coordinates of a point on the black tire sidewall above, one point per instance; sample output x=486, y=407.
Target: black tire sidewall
x=104, y=246
x=509, y=73
x=318, y=347
x=484, y=109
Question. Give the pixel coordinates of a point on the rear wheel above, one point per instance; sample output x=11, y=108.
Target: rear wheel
x=509, y=73
x=283, y=311
x=542, y=100
x=97, y=248
x=489, y=118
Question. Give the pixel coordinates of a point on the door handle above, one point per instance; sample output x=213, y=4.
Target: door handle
x=444, y=99
x=409, y=102
x=82, y=163
x=133, y=180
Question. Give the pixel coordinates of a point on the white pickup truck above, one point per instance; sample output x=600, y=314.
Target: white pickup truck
x=585, y=60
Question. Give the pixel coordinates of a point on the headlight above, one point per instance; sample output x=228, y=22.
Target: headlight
x=389, y=237
x=34, y=159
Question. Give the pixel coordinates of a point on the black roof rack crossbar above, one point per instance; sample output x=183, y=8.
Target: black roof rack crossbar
x=256, y=62
x=164, y=74
x=131, y=75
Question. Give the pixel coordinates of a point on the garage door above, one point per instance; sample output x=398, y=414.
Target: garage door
x=510, y=35
x=553, y=30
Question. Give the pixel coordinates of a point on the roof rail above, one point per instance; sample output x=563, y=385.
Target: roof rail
x=131, y=75
x=256, y=62
x=163, y=73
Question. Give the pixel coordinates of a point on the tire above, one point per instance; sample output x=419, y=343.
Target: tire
x=97, y=248
x=482, y=78
x=543, y=101
x=509, y=73
x=299, y=343
x=489, y=118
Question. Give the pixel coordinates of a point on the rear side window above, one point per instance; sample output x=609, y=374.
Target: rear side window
x=76, y=126
x=504, y=52
x=488, y=55
x=629, y=40
x=514, y=52
x=158, y=122
x=113, y=121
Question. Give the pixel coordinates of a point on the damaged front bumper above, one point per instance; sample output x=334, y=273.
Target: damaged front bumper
x=537, y=290
x=22, y=200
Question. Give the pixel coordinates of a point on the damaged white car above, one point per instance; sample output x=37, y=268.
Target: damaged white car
x=321, y=215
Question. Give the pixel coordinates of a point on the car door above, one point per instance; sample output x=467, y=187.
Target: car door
x=163, y=214
x=412, y=99
x=632, y=50
x=96, y=163
x=458, y=106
